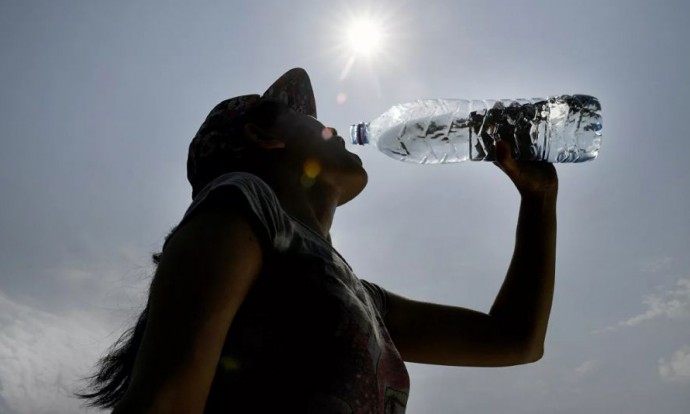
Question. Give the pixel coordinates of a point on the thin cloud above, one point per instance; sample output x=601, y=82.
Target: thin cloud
x=587, y=367
x=43, y=355
x=671, y=304
x=657, y=265
x=677, y=367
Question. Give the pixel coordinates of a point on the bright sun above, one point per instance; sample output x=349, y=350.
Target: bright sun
x=364, y=37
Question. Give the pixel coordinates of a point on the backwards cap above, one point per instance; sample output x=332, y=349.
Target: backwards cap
x=216, y=141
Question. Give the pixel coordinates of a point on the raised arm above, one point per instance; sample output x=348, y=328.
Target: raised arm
x=203, y=277
x=513, y=331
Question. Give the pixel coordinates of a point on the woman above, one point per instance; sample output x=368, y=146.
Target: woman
x=252, y=310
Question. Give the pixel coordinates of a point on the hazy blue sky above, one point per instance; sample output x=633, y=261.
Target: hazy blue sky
x=99, y=100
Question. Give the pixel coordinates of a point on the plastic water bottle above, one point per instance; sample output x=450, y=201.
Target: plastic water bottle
x=556, y=129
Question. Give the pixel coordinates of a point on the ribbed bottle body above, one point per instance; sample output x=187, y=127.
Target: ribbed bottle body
x=557, y=129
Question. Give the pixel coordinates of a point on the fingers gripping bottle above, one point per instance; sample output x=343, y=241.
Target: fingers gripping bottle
x=557, y=129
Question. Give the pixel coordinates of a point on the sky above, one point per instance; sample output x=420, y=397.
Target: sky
x=99, y=101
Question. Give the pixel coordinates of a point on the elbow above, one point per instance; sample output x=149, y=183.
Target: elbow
x=526, y=350
x=530, y=347
x=534, y=356
x=531, y=354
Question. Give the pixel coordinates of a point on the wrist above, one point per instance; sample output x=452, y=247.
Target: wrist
x=543, y=198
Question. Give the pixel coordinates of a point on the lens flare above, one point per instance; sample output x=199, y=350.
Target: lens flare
x=229, y=363
x=327, y=133
x=312, y=168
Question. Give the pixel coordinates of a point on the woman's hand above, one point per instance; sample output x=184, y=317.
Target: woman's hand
x=532, y=179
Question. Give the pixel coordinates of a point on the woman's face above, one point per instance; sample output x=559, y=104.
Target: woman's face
x=321, y=153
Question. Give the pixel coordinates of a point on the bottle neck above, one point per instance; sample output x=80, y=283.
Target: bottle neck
x=359, y=133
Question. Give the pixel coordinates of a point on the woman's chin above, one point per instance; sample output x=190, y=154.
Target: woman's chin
x=353, y=184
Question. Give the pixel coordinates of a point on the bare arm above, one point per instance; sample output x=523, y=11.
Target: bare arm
x=513, y=331
x=523, y=304
x=204, y=275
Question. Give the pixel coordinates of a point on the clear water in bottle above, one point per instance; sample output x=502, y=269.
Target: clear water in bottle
x=557, y=129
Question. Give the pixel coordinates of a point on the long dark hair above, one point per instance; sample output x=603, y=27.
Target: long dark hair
x=113, y=372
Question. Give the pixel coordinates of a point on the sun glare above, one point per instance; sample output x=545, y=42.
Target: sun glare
x=364, y=37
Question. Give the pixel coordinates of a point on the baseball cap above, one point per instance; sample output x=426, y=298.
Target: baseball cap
x=217, y=141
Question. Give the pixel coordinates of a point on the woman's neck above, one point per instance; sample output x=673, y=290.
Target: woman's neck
x=313, y=205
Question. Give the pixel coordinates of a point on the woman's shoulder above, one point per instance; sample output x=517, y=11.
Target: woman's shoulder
x=252, y=196
x=241, y=179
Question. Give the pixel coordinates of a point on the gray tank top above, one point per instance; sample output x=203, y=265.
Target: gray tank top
x=310, y=336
